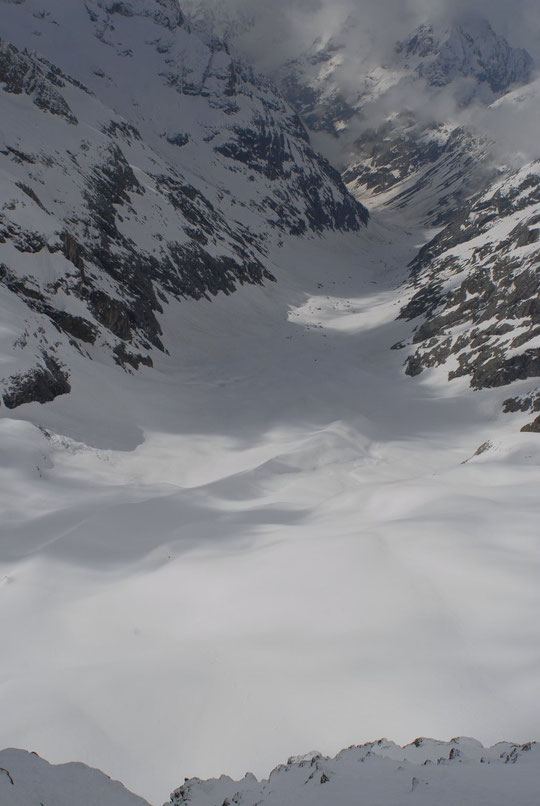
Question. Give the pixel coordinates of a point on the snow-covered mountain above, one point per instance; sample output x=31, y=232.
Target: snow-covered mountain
x=476, y=288
x=382, y=772
x=426, y=771
x=28, y=780
x=143, y=213
x=442, y=170
x=475, y=284
x=252, y=526
x=155, y=168
x=468, y=48
x=466, y=53
x=401, y=120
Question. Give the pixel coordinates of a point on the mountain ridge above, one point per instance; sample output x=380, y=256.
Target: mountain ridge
x=378, y=770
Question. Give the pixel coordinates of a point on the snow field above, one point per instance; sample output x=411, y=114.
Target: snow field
x=268, y=542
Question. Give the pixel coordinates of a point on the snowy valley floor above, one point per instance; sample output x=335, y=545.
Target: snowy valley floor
x=273, y=541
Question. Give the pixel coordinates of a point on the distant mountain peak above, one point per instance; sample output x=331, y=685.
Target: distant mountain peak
x=467, y=48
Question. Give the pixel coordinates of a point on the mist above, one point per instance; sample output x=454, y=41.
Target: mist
x=284, y=28
x=269, y=35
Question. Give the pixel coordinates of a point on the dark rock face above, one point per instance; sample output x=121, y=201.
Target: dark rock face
x=425, y=166
x=318, y=114
x=266, y=150
x=37, y=300
x=477, y=289
x=40, y=385
x=21, y=74
x=164, y=12
x=304, y=192
x=527, y=403
x=182, y=270
x=390, y=154
x=532, y=428
x=500, y=372
x=180, y=139
x=523, y=404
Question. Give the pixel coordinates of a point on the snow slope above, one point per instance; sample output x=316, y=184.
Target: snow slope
x=270, y=541
x=110, y=210
x=27, y=780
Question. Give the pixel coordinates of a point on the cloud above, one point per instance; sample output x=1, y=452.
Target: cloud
x=512, y=123
x=282, y=29
x=271, y=33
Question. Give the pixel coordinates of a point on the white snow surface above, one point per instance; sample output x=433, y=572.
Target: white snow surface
x=272, y=540
x=28, y=780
